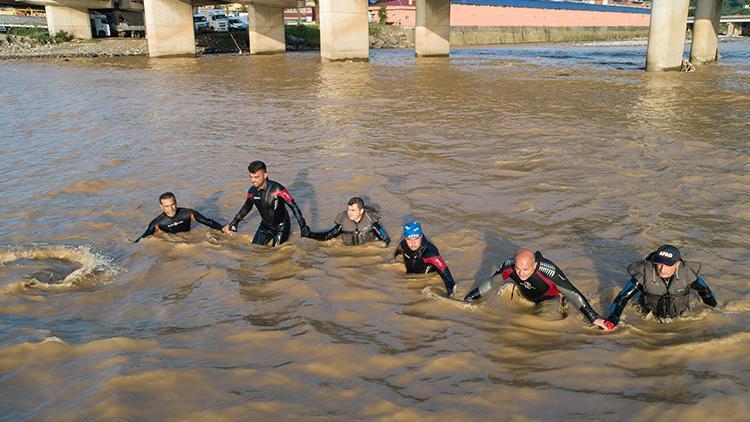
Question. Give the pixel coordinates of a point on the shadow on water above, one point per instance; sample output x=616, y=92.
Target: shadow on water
x=611, y=259
x=496, y=251
x=209, y=207
x=305, y=196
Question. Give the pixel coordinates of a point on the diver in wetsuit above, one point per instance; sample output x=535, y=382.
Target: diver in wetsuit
x=271, y=200
x=175, y=220
x=538, y=279
x=421, y=256
x=664, y=281
x=357, y=225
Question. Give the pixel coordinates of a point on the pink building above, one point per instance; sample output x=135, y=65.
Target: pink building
x=520, y=13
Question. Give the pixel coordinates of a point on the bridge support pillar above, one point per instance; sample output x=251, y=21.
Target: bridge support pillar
x=344, y=30
x=704, y=49
x=731, y=31
x=71, y=20
x=666, y=35
x=266, y=29
x=169, y=28
x=433, y=32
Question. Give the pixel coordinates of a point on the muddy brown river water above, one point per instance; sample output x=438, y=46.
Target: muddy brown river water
x=568, y=149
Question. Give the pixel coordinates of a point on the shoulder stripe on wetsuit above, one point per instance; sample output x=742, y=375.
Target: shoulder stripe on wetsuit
x=437, y=261
x=547, y=269
x=285, y=195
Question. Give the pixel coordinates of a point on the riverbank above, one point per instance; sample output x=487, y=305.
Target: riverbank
x=300, y=38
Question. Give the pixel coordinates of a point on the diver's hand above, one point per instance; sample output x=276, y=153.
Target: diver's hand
x=472, y=295
x=604, y=324
x=228, y=229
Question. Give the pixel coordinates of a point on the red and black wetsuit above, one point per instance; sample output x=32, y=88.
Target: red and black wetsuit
x=424, y=260
x=547, y=282
x=179, y=223
x=271, y=202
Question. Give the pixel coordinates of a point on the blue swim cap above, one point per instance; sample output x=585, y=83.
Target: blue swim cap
x=412, y=230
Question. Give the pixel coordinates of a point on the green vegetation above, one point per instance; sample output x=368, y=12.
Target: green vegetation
x=736, y=7
x=382, y=15
x=309, y=33
x=41, y=35
x=375, y=29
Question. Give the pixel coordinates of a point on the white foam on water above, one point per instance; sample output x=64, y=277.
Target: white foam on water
x=95, y=269
x=430, y=293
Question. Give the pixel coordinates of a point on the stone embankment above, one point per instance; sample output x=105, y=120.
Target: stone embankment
x=23, y=47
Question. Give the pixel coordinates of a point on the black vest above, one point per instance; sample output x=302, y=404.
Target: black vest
x=664, y=298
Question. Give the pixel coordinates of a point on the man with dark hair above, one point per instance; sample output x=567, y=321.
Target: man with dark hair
x=664, y=281
x=358, y=225
x=421, y=256
x=271, y=200
x=175, y=220
x=538, y=279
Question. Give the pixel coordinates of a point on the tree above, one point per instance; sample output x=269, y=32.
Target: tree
x=382, y=15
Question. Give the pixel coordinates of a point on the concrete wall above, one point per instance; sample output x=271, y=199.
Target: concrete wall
x=470, y=15
x=399, y=37
x=478, y=35
x=473, y=15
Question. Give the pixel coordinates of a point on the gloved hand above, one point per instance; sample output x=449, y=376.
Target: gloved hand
x=604, y=324
x=305, y=231
x=472, y=295
x=387, y=241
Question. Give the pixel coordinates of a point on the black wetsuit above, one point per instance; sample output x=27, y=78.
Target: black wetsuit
x=665, y=298
x=270, y=201
x=424, y=260
x=179, y=223
x=355, y=233
x=547, y=282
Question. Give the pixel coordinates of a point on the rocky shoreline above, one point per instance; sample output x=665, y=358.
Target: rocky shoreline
x=16, y=47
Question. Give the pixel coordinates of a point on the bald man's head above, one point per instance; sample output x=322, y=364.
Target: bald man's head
x=525, y=263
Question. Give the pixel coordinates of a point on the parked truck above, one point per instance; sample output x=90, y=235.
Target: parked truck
x=122, y=23
x=99, y=25
x=200, y=23
x=217, y=20
x=129, y=24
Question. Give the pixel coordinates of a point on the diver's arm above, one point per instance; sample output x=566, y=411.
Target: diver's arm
x=707, y=296
x=289, y=201
x=621, y=300
x=485, y=287
x=246, y=208
x=196, y=216
x=574, y=295
x=445, y=273
x=380, y=233
x=150, y=230
x=334, y=231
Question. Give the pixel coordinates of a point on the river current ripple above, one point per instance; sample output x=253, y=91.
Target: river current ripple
x=569, y=149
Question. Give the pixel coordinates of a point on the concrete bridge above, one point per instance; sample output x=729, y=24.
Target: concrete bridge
x=666, y=38
x=343, y=24
x=736, y=25
x=344, y=27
